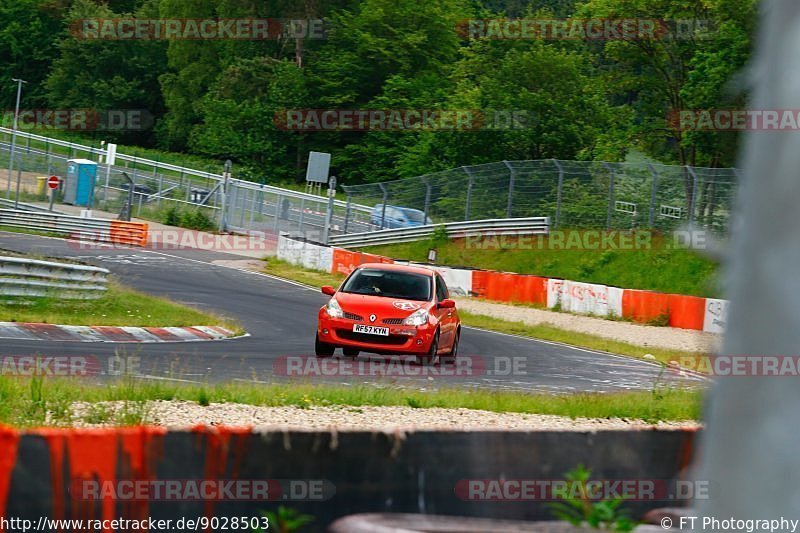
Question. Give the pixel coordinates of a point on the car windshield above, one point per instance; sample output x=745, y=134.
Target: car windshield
x=414, y=216
x=390, y=284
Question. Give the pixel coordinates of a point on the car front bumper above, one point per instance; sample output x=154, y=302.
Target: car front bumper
x=401, y=339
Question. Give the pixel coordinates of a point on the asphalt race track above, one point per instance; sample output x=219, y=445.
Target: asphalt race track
x=280, y=318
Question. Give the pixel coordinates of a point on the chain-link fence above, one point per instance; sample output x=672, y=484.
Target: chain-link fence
x=177, y=195
x=574, y=194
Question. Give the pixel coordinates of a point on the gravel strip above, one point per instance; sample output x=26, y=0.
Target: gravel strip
x=636, y=334
x=183, y=414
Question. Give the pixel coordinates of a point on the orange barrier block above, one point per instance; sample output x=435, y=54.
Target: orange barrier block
x=344, y=261
x=479, y=280
x=687, y=312
x=530, y=289
x=500, y=286
x=134, y=233
x=643, y=306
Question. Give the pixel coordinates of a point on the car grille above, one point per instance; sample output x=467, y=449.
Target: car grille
x=395, y=321
x=371, y=339
x=351, y=316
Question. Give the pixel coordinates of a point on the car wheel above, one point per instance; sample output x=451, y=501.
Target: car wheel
x=350, y=352
x=323, y=349
x=451, y=357
x=432, y=357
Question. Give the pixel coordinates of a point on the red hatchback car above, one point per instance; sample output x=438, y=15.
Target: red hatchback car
x=390, y=309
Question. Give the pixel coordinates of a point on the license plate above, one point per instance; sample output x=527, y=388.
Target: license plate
x=370, y=330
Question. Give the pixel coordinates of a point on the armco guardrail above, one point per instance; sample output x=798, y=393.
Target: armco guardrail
x=21, y=277
x=87, y=229
x=22, y=206
x=529, y=226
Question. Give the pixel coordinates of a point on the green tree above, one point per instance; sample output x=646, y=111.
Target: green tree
x=238, y=116
x=29, y=30
x=108, y=74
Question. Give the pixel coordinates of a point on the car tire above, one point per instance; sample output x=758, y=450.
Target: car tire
x=432, y=357
x=350, y=352
x=323, y=349
x=453, y=354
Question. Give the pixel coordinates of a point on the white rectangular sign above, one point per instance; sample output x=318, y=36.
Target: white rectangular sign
x=319, y=164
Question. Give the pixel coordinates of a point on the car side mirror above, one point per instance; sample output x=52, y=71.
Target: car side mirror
x=447, y=303
x=327, y=289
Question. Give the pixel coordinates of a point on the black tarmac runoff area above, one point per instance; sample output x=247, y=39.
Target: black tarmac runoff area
x=280, y=319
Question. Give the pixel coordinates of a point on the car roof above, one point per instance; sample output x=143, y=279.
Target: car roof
x=415, y=269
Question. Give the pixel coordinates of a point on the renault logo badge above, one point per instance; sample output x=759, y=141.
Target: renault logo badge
x=372, y=318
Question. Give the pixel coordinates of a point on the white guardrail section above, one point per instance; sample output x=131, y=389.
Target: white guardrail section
x=517, y=226
x=21, y=277
x=85, y=229
x=186, y=171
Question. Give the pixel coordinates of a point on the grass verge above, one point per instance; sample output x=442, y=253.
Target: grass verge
x=31, y=402
x=546, y=332
x=120, y=306
x=583, y=340
x=315, y=278
x=659, y=265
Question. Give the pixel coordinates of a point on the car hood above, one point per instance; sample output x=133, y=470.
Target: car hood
x=382, y=306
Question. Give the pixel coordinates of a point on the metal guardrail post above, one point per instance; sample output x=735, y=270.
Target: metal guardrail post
x=385, y=200
x=278, y=200
x=427, y=183
x=329, y=213
x=557, y=221
x=14, y=137
x=347, y=213
x=512, y=175
x=653, y=192
x=693, y=199
x=302, y=212
x=610, y=211
x=470, y=179
x=223, y=212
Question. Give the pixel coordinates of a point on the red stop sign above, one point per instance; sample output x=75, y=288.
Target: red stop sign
x=53, y=182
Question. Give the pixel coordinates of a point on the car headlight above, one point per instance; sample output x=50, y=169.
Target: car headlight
x=417, y=318
x=333, y=309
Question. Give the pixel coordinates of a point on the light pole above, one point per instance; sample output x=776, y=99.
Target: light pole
x=223, y=212
x=13, y=141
